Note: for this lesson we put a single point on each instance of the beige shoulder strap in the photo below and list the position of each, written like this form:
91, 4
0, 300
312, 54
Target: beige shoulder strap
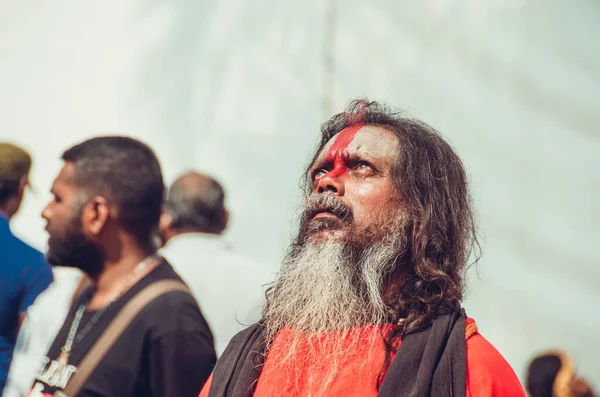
116, 328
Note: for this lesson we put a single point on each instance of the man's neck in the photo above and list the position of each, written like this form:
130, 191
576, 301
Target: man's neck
181, 232
115, 275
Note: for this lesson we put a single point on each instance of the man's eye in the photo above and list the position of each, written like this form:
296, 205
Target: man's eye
364, 166
57, 199
320, 173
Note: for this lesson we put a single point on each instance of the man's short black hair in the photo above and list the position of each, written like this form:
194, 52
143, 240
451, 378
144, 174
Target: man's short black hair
196, 202
126, 172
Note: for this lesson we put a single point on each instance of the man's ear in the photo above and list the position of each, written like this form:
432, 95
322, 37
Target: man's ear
225, 221
164, 224
95, 215
23, 183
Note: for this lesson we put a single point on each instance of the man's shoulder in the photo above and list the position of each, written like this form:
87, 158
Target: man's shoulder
173, 311
25, 271
171, 300
241, 340
481, 351
243, 269
197, 249
243, 336
17, 250
240, 347
206, 270
488, 372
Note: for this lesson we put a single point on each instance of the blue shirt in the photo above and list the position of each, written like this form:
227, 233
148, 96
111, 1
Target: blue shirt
24, 274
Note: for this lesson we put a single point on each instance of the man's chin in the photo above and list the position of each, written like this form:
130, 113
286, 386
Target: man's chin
322, 230
328, 234
89, 263
55, 260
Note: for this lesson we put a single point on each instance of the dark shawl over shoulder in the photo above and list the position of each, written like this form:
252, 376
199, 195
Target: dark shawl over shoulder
430, 362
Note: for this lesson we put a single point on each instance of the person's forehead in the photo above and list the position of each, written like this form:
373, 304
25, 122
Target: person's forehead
64, 179
368, 141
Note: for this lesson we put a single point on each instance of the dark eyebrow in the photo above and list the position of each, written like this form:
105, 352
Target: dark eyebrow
319, 162
361, 157
347, 156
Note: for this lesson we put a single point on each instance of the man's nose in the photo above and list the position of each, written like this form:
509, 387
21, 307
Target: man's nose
46, 212
331, 182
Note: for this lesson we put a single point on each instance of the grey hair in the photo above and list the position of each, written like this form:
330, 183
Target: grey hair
199, 205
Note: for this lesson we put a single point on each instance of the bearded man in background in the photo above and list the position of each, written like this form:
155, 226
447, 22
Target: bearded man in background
105, 208
368, 299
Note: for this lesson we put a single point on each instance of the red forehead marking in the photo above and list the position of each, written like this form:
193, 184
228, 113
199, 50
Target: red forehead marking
339, 150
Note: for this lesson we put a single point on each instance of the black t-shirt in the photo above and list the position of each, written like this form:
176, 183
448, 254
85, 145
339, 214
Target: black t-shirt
166, 351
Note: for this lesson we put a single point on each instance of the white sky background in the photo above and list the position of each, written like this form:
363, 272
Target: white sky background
235, 88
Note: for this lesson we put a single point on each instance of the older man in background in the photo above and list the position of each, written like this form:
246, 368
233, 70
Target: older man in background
227, 285
24, 273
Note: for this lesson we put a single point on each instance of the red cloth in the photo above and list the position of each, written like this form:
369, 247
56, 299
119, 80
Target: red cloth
488, 373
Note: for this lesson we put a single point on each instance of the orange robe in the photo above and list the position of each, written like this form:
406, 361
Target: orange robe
488, 373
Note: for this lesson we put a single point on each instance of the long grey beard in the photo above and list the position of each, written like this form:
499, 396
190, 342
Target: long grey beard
323, 288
